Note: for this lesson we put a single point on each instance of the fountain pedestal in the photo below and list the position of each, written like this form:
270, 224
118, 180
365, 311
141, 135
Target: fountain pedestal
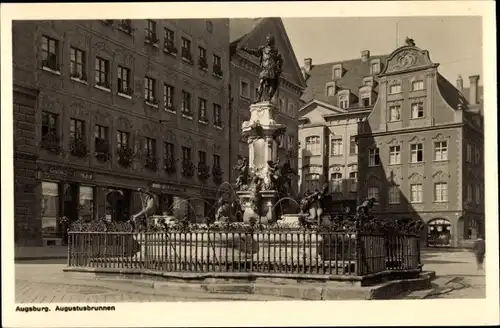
262, 133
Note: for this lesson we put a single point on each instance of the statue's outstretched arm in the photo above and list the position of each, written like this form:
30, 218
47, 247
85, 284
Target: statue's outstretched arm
254, 52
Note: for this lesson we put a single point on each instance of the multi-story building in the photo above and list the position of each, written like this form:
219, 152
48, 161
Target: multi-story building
421, 149
252, 33
338, 95
105, 107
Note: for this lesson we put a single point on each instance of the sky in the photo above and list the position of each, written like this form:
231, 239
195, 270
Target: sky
455, 42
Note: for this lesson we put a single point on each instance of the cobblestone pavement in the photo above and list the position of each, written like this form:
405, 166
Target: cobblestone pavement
457, 275
45, 282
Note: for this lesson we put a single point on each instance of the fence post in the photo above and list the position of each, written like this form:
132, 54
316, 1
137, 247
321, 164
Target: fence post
70, 237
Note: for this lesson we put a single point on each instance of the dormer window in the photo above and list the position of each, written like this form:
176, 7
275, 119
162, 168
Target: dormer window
368, 81
365, 95
344, 102
337, 71
375, 66
330, 89
344, 97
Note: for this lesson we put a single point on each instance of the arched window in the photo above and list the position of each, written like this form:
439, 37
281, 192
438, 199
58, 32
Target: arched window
336, 182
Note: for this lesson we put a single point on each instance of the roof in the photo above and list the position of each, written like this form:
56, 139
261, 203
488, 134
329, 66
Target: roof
450, 94
240, 27
354, 72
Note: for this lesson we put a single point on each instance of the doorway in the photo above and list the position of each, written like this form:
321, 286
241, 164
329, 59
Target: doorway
439, 233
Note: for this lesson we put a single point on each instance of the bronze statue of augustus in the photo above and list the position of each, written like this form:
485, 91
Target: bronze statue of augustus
271, 64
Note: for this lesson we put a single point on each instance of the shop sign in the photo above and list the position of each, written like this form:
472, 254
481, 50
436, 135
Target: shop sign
166, 187
70, 173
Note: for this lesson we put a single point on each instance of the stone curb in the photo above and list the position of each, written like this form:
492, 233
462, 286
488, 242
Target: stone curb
317, 290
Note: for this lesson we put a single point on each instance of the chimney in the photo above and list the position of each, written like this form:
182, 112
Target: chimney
307, 64
473, 96
460, 83
365, 55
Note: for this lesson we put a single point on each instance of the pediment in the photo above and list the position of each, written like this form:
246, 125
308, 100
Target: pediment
407, 58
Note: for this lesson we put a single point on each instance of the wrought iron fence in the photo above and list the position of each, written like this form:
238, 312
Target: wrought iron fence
325, 253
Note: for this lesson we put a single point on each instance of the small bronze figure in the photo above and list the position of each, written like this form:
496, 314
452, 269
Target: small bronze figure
271, 64
242, 167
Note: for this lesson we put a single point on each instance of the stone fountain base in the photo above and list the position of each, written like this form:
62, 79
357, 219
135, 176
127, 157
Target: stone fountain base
265, 212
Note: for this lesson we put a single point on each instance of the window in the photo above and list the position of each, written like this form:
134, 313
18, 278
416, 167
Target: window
469, 193
417, 110
312, 181
344, 102
151, 31
186, 154
395, 155
124, 80
336, 182
373, 192
168, 152
126, 25
417, 85
365, 101
202, 157
50, 209
149, 89
337, 73
336, 147
244, 89
394, 113
478, 195
313, 145
150, 147
102, 72
186, 49
186, 103
86, 202
368, 81
291, 142
100, 135
77, 64
441, 192
394, 194
168, 97
76, 129
202, 52
217, 116
122, 139
291, 109
282, 104
353, 146
217, 66
441, 151
395, 88
216, 161
50, 48
353, 181
373, 157
169, 45
477, 157
417, 153
416, 193
202, 109
330, 91
469, 153
49, 124
375, 68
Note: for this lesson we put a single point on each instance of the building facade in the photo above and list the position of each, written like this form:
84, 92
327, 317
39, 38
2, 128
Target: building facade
421, 150
245, 69
104, 107
338, 96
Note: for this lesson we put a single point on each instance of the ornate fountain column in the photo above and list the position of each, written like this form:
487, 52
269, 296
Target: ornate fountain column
262, 133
